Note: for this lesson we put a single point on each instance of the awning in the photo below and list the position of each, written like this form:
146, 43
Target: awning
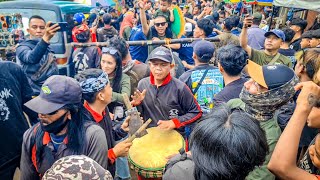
310, 4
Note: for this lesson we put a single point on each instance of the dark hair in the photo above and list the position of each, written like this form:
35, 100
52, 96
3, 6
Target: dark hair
289, 34
316, 34
222, 13
84, 75
206, 25
75, 132
169, 1
120, 44
36, 17
106, 18
83, 36
227, 144
299, 22
232, 59
229, 23
116, 85
307, 34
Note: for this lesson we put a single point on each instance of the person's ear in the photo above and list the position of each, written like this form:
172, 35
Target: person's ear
220, 68
194, 56
100, 96
172, 66
201, 32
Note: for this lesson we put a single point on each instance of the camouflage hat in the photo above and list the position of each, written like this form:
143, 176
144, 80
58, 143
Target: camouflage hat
76, 167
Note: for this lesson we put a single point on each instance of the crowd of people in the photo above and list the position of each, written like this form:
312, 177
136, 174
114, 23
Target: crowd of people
246, 105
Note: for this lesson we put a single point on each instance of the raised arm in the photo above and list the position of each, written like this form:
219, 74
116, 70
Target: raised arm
143, 18
283, 160
244, 35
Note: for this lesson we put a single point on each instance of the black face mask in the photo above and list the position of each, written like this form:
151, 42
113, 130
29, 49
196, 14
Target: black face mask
55, 127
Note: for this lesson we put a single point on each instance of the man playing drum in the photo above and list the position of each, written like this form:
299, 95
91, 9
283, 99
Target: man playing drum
165, 99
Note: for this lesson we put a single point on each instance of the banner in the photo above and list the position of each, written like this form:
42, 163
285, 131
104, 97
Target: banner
265, 2
310, 4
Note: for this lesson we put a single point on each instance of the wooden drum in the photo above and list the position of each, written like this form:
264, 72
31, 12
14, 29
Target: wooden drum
148, 154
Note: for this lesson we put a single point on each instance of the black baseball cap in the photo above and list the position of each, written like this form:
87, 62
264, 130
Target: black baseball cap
270, 76
160, 53
56, 92
307, 34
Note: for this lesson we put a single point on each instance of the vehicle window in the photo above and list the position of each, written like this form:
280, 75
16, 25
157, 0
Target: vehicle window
19, 19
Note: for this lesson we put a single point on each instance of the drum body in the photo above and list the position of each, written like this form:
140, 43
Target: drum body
148, 154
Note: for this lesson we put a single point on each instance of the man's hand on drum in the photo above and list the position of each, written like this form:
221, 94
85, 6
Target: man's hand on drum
122, 148
166, 124
138, 97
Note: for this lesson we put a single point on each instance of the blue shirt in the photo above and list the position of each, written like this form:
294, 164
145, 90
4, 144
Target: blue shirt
139, 53
235, 32
185, 52
256, 37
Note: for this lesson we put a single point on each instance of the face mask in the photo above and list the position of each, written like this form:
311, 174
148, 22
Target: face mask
56, 126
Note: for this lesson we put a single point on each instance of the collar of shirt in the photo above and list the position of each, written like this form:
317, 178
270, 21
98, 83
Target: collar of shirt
96, 116
46, 139
165, 82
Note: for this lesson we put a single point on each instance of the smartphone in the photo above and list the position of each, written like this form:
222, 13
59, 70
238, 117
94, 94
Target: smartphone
63, 26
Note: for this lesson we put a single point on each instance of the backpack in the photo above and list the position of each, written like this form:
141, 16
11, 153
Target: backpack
205, 84
80, 60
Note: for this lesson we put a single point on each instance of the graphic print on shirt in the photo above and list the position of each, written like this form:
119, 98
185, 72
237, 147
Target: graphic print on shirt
173, 113
210, 86
80, 62
4, 110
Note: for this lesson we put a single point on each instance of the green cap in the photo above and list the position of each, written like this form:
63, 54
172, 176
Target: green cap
257, 15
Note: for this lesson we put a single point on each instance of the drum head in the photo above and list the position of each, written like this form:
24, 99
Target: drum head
150, 151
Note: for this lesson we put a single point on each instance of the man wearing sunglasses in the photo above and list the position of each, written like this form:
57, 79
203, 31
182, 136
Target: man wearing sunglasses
61, 131
159, 31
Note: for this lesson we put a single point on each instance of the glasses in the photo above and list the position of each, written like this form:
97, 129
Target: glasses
111, 51
158, 24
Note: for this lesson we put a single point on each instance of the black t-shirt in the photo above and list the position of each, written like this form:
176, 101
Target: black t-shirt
290, 54
295, 45
14, 92
230, 91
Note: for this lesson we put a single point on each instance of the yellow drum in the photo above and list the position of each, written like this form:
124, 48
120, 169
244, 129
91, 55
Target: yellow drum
148, 154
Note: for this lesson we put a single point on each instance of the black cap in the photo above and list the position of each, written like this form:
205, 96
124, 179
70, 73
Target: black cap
204, 50
307, 34
160, 53
56, 92
270, 76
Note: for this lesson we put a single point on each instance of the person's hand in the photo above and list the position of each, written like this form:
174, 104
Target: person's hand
185, 64
138, 97
166, 125
247, 22
155, 39
50, 31
142, 4
122, 148
111, 116
125, 124
309, 95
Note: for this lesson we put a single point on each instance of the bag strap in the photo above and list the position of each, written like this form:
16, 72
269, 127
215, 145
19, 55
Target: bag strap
200, 82
45, 66
34, 147
274, 59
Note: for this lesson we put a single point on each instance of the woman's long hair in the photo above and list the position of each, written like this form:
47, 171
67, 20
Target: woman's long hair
116, 84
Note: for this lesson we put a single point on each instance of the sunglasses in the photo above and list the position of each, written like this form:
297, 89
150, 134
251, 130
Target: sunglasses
162, 24
111, 51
